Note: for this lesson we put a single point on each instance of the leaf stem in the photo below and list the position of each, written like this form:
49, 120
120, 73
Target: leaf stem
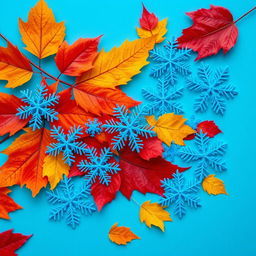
241, 17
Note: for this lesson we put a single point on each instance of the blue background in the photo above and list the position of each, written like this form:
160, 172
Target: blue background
225, 225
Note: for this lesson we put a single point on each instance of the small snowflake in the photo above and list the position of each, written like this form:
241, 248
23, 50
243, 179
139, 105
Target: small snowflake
170, 61
163, 101
207, 153
67, 143
69, 203
93, 127
39, 104
129, 128
213, 88
179, 194
99, 166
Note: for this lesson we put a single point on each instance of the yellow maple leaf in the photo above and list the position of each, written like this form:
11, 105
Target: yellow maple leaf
154, 214
121, 235
41, 34
160, 30
54, 168
170, 128
213, 185
119, 65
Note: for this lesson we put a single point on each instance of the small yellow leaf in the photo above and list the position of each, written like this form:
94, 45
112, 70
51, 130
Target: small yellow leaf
160, 30
213, 185
41, 34
170, 128
121, 235
154, 214
54, 168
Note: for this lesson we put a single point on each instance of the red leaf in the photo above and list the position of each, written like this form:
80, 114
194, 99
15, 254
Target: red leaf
9, 122
77, 58
152, 147
208, 127
10, 242
142, 175
148, 21
7, 204
213, 29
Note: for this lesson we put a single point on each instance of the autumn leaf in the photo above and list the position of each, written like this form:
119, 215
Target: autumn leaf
159, 31
208, 127
7, 204
152, 147
119, 65
148, 21
9, 122
54, 168
14, 66
213, 185
121, 235
213, 29
97, 100
41, 34
170, 128
77, 58
143, 175
154, 214
10, 242
25, 161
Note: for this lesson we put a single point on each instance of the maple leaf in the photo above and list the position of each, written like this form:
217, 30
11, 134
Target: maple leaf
14, 66
143, 175
9, 121
7, 204
148, 21
213, 29
213, 185
41, 34
152, 147
77, 58
25, 161
170, 128
10, 242
121, 235
209, 128
119, 65
54, 168
153, 214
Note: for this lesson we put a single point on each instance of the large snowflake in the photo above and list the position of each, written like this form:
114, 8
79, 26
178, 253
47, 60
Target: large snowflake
163, 100
207, 152
99, 166
179, 194
170, 61
130, 126
39, 107
67, 143
69, 203
213, 88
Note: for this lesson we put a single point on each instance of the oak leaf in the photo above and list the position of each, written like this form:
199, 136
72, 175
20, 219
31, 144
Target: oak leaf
213, 185
121, 235
170, 128
14, 66
154, 214
41, 34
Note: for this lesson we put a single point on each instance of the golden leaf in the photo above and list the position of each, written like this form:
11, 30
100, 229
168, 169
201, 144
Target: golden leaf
213, 185
170, 128
154, 214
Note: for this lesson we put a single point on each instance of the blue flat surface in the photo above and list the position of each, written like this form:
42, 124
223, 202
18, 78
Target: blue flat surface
225, 225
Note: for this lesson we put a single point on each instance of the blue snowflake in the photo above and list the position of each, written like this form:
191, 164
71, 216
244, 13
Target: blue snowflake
213, 88
171, 152
67, 143
207, 153
169, 61
93, 127
69, 203
179, 194
98, 166
129, 128
39, 104
163, 101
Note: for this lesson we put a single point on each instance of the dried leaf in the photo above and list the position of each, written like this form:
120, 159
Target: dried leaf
213, 185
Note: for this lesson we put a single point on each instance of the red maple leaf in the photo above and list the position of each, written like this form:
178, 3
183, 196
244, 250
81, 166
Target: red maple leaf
213, 29
208, 127
148, 21
10, 242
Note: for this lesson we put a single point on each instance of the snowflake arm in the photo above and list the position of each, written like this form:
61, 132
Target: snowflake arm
93, 127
